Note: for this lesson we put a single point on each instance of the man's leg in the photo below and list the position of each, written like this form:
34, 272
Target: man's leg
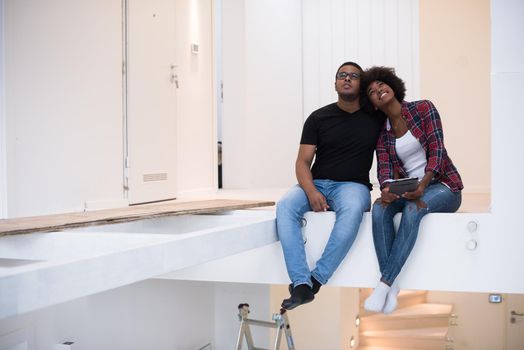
290, 211
349, 200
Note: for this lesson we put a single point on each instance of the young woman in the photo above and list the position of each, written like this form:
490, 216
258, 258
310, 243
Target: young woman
411, 144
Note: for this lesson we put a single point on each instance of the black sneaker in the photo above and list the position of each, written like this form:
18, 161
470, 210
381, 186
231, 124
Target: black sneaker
315, 289
302, 294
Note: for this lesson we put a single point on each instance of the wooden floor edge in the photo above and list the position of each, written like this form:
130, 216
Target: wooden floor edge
60, 222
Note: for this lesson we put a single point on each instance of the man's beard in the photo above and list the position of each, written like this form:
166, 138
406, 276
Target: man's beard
348, 97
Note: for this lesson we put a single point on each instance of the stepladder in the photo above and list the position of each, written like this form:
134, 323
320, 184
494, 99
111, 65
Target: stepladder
279, 322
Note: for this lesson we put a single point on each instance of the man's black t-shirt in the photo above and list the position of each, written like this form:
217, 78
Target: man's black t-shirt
345, 143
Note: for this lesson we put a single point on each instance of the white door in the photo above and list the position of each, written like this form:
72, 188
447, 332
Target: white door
151, 100
514, 321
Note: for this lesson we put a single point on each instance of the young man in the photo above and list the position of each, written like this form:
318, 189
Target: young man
341, 137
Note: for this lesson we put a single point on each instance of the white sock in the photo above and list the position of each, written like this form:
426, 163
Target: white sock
375, 302
391, 299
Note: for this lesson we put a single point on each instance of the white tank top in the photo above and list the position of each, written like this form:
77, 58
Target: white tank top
411, 154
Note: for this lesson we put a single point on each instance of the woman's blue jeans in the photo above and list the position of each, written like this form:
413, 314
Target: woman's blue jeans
349, 200
393, 248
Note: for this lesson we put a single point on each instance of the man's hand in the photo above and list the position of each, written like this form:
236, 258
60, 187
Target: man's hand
317, 201
388, 197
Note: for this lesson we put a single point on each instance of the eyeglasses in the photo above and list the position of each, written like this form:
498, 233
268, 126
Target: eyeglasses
344, 75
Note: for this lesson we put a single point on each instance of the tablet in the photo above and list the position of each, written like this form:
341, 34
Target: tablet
403, 185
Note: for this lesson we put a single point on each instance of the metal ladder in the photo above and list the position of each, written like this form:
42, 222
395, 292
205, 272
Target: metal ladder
280, 322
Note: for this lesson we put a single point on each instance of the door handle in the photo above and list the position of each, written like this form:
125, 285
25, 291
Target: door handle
515, 313
174, 77
174, 80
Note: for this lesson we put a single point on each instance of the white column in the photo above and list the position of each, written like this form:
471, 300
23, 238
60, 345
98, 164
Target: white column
3, 136
507, 128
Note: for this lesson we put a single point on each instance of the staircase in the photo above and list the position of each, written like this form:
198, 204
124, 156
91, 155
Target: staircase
415, 325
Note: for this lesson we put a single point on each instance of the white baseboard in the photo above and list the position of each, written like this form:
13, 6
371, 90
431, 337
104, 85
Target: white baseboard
105, 204
199, 192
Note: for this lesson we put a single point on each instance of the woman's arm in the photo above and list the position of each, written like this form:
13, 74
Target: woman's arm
384, 170
434, 137
384, 164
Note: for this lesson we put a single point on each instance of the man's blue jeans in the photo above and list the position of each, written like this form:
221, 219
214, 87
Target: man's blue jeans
393, 248
349, 200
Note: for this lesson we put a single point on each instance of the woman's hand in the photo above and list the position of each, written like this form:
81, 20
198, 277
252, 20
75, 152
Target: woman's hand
387, 197
317, 201
426, 180
415, 194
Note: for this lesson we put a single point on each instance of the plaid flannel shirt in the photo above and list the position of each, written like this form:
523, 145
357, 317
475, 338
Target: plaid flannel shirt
423, 121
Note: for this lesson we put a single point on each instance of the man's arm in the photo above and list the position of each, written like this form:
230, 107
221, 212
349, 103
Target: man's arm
306, 153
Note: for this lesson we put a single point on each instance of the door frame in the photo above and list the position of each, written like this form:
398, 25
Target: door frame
3, 124
218, 88
125, 147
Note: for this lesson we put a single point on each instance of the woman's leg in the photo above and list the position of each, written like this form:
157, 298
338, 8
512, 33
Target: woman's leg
383, 237
436, 198
383, 229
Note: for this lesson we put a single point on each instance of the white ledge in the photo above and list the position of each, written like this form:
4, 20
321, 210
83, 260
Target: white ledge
60, 266
453, 252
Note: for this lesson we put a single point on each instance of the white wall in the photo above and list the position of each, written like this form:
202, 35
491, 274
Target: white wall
153, 314
234, 121
63, 104
370, 33
377, 32
196, 136
460, 50
480, 325
64, 116
276, 75
262, 110
3, 134
227, 297
326, 323
507, 77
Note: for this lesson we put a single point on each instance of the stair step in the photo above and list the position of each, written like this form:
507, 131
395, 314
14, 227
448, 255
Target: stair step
421, 338
404, 293
413, 317
405, 298
383, 348
415, 311
426, 309
418, 333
